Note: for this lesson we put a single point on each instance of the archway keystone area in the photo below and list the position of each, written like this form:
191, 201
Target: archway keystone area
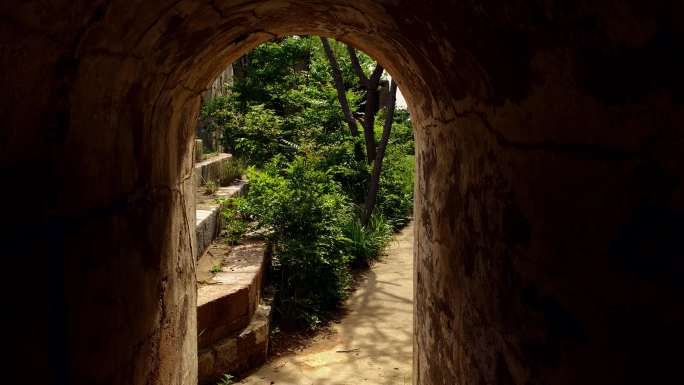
549, 200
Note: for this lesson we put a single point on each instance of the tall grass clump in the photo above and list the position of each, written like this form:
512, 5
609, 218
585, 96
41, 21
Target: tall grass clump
367, 242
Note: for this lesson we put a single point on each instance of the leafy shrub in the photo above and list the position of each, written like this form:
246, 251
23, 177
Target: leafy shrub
339, 160
395, 196
402, 134
234, 226
306, 211
254, 136
214, 114
273, 70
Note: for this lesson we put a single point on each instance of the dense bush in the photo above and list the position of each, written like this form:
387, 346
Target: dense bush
395, 198
339, 160
255, 136
306, 211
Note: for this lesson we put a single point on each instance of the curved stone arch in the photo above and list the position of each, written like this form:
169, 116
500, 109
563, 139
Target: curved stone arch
146, 87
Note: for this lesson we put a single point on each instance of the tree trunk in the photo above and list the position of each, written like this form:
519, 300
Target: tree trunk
370, 85
374, 184
372, 106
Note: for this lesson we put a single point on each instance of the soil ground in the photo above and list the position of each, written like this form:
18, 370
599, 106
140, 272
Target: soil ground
370, 344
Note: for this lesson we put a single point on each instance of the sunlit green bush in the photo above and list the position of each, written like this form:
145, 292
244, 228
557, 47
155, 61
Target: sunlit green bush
305, 210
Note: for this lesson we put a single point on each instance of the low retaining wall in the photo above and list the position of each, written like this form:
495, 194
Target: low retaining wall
211, 169
239, 353
233, 320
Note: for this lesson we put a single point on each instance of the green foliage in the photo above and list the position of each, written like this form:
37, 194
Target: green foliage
226, 379
254, 136
215, 113
306, 210
216, 269
367, 242
234, 227
272, 71
285, 100
339, 161
395, 196
401, 139
210, 187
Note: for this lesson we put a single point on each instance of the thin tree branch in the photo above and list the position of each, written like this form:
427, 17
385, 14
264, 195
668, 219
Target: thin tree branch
339, 86
375, 76
357, 66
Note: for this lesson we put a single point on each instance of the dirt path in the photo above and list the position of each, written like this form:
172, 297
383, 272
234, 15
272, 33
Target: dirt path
372, 344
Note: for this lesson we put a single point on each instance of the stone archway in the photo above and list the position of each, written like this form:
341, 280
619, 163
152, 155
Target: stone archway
518, 108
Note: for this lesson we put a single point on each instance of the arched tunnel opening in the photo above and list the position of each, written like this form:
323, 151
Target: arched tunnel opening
305, 255
549, 198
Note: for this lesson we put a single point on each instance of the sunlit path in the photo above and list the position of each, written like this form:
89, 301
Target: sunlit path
373, 342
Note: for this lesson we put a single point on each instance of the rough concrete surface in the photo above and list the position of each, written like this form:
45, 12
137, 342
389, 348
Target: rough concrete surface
227, 300
372, 343
211, 169
233, 318
237, 353
208, 212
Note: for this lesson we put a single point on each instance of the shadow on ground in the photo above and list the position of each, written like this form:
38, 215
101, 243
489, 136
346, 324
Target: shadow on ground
371, 344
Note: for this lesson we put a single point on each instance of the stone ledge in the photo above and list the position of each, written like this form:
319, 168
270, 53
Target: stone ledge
207, 227
227, 300
208, 220
210, 169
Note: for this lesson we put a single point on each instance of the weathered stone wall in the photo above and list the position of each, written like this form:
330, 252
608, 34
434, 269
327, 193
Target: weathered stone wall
549, 182
220, 85
551, 207
211, 169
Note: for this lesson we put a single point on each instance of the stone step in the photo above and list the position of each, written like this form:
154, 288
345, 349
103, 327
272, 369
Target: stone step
207, 214
238, 353
226, 300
